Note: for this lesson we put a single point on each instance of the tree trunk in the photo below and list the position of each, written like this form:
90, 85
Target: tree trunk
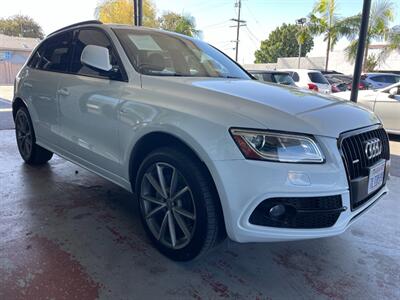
364, 68
328, 48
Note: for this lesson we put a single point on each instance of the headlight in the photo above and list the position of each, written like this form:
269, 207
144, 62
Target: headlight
280, 147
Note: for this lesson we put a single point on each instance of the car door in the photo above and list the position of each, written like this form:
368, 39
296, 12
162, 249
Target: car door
88, 104
41, 83
388, 109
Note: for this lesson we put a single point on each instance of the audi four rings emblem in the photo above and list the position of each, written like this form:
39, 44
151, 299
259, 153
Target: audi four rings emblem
373, 148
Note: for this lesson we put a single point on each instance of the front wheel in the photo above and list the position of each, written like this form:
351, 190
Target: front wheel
178, 204
30, 152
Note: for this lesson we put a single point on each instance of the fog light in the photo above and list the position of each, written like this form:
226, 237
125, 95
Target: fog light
277, 211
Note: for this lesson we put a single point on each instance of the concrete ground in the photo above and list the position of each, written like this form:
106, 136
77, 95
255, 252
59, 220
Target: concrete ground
6, 92
66, 233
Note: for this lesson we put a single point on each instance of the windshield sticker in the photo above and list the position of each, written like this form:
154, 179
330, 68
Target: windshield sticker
144, 42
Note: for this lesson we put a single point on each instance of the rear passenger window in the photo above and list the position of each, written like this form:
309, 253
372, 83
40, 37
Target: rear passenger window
390, 79
267, 77
55, 54
92, 37
379, 78
295, 76
35, 58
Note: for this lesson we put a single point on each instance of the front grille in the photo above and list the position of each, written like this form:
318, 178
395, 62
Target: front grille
355, 158
305, 213
352, 146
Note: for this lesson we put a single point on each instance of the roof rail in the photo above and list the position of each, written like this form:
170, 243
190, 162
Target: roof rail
77, 24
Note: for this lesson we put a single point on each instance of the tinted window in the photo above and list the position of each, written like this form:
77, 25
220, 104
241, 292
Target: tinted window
267, 77
295, 76
317, 77
92, 37
380, 78
35, 58
160, 54
391, 79
283, 79
55, 53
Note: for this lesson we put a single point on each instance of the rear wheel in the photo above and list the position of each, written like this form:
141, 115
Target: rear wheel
30, 152
178, 204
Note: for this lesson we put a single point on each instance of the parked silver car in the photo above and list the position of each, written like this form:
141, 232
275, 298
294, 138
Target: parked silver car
380, 80
384, 102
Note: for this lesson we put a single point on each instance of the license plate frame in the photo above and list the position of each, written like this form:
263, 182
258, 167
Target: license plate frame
376, 177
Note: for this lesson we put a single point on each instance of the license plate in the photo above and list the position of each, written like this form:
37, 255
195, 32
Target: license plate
376, 175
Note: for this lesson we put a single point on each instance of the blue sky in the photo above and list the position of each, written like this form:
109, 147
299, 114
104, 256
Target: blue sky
212, 17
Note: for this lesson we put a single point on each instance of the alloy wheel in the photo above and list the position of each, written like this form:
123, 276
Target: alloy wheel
24, 134
167, 205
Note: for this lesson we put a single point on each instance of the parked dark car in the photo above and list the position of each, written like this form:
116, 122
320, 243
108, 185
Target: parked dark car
337, 84
278, 77
346, 82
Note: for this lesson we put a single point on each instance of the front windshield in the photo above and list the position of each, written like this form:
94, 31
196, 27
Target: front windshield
160, 54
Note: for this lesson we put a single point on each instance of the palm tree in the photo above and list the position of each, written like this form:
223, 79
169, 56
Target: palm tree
378, 28
184, 24
324, 20
393, 40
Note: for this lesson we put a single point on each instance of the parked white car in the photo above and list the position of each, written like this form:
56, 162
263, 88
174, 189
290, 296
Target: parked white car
384, 102
207, 150
310, 79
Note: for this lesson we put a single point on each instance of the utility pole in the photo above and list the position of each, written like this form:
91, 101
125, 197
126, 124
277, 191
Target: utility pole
240, 23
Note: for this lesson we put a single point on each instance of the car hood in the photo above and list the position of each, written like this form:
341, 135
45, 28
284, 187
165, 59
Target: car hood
274, 107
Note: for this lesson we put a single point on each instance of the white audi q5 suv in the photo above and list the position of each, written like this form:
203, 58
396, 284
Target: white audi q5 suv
207, 150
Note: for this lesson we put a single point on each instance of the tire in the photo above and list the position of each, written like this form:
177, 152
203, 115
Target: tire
30, 152
192, 200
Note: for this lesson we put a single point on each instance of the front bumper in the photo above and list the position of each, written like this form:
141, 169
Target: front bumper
244, 184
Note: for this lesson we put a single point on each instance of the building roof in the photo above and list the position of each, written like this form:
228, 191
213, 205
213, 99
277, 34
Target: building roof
17, 43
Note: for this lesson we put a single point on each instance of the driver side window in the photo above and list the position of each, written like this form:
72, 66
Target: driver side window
92, 37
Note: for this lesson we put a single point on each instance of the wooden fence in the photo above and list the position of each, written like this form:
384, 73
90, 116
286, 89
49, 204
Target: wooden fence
8, 71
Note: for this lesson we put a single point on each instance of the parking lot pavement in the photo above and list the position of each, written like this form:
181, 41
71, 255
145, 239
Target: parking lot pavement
6, 120
66, 233
6, 92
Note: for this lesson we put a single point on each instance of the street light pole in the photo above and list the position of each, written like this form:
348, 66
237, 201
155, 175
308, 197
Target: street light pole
360, 50
300, 22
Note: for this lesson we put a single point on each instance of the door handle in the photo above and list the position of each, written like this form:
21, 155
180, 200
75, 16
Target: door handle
63, 92
28, 85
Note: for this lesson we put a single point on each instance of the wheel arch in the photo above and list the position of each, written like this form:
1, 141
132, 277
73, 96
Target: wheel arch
16, 104
157, 139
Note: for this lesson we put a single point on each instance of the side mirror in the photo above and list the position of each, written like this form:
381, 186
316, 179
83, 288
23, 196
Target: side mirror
97, 57
393, 92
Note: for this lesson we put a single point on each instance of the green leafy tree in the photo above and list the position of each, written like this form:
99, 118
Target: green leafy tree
284, 42
21, 25
184, 24
324, 20
382, 14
